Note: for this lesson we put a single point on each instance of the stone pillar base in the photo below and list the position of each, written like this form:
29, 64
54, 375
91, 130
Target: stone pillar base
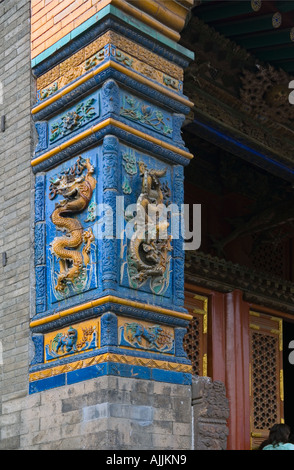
210, 413
109, 413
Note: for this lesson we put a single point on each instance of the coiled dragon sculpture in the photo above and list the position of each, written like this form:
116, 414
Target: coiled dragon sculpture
77, 188
150, 243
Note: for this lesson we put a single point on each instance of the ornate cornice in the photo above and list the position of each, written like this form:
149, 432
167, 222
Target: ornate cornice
170, 14
230, 118
107, 299
224, 276
239, 95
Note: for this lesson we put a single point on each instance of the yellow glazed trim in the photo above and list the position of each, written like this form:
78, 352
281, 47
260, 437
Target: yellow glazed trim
101, 125
165, 13
145, 18
110, 357
203, 311
282, 385
120, 68
256, 434
204, 365
112, 299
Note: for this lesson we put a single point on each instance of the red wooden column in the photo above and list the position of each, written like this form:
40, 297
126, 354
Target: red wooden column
217, 331
230, 361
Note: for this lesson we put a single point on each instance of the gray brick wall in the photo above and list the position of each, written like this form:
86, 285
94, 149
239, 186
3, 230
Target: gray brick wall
15, 212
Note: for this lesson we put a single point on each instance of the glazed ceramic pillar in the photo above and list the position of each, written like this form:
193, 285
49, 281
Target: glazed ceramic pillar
108, 112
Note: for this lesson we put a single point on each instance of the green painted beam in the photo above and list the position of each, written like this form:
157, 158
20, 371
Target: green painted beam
285, 6
287, 66
250, 25
276, 53
273, 38
227, 10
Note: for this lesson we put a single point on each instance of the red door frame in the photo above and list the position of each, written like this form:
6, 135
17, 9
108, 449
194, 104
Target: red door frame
228, 358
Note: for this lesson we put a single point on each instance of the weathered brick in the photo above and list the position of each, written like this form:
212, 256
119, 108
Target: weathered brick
15, 194
66, 16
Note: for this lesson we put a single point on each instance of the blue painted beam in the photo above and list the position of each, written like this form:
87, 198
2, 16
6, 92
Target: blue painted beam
269, 162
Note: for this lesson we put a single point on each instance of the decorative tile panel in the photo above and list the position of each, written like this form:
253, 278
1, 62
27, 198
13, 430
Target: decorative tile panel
71, 248
109, 155
74, 119
71, 340
118, 48
146, 114
146, 336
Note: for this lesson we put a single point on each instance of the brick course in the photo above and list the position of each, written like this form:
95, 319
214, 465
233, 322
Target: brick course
66, 16
15, 213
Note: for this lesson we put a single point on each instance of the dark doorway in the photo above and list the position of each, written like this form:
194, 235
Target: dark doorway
288, 366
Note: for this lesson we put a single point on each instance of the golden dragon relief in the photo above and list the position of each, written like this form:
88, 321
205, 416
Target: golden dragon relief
76, 187
149, 247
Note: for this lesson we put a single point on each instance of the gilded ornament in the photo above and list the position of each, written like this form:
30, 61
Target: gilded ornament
256, 5
121, 49
277, 20
110, 357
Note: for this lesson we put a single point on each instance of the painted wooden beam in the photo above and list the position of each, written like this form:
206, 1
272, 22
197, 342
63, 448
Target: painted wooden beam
276, 53
219, 12
287, 65
285, 6
252, 25
272, 38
